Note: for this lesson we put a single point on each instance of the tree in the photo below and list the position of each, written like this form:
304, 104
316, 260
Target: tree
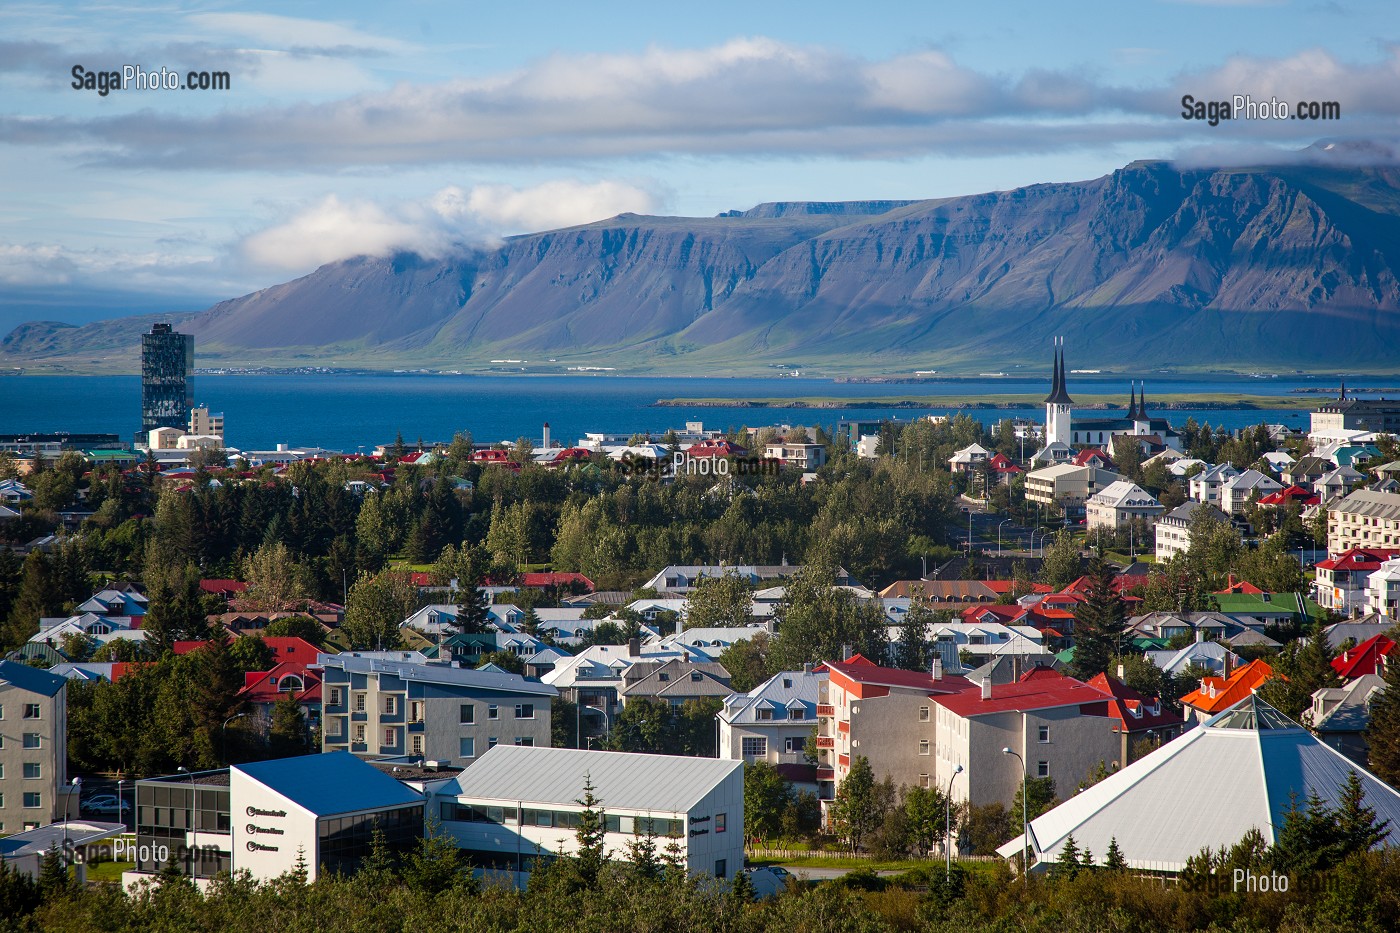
925, 817
1062, 563
816, 621
1114, 861
1040, 797
1100, 623
287, 735
591, 855
723, 601
303, 627
1067, 864
506, 660
1383, 733
855, 813
912, 649
377, 605
1300, 670
276, 583
767, 795
251, 653
746, 661
176, 609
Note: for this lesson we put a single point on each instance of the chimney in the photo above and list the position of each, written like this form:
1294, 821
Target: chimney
845, 652
986, 688
807, 667
1122, 675
1200, 635
545, 436
936, 669
634, 647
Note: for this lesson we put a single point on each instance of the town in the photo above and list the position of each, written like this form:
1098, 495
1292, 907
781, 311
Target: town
1035, 651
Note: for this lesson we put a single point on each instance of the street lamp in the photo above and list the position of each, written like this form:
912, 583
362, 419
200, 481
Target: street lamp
223, 735
1025, 823
77, 789
607, 722
121, 816
948, 824
1003, 522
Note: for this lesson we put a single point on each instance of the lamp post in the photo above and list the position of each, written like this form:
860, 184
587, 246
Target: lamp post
1025, 823
77, 783
1003, 522
189, 826
607, 722
121, 817
948, 824
223, 735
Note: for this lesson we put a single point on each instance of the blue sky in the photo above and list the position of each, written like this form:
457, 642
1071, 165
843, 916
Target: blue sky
358, 127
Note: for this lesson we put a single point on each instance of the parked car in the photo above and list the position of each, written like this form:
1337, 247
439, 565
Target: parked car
106, 803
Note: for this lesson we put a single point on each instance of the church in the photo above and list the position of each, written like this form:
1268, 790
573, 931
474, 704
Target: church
1064, 432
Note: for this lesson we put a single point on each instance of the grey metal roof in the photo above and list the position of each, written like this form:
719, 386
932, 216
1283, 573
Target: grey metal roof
555, 776
805, 689
1370, 503
436, 674
41, 840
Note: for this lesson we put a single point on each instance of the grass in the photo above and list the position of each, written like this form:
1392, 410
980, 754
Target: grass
865, 863
108, 871
1107, 403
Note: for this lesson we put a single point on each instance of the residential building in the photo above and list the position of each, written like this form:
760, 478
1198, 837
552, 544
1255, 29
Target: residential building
1340, 584
1379, 416
1369, 657
1118, 504
883, 713
1340, 716
1307, 470
970, 459
293, 674
1356, 631
519, 807
1173, 530
1067, 485
1213, 656
204, 423
674, 681
1241, 772
679, 580
1207, 485
1062, 729
773, 721
1365, 519
1141, 719
380, 708
1239, 491
1337, 483
1383, 590
799, 454
1217, 694
167, 362
1260, 610
33, 747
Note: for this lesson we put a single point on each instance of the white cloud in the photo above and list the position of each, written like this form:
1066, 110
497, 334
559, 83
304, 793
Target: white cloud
290, 32
333, 229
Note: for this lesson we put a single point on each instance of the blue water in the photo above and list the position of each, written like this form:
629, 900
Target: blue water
347, 412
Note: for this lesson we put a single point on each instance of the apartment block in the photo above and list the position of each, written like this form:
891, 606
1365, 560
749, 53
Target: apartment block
33, 747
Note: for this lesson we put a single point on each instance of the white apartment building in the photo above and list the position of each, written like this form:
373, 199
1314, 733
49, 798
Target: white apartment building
1173, 530
773, 720
1117, 504
1383, 590
1206, 485
1237, 491
1066, 484
806, 457
1366, 518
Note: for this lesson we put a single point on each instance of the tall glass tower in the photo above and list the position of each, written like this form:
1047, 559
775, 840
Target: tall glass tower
167, 393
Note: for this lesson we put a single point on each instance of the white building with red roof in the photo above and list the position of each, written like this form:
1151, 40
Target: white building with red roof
1341, 581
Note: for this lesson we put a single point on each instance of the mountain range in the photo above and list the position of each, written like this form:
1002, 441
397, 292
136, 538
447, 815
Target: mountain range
1154, 266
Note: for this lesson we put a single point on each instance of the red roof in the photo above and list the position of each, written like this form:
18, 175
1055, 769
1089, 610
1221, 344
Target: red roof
420, 578
1132, 708
1220, 693
719, 448
268, 686
1359, 558
857, 672
222, 587
494, 455
1042, 689
284, 648
559, 578
1239, 587
1369, 657
1291, 494
1006, 615
1089, 453
571, 454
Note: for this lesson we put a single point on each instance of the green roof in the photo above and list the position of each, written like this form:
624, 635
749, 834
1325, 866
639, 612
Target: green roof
1066, 656
1252, 604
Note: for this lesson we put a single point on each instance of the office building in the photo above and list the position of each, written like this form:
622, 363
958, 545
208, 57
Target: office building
167, 362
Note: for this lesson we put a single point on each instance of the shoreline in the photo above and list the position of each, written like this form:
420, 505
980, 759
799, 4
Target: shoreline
1166, 402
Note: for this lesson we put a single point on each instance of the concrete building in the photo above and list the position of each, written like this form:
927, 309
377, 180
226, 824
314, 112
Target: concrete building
33, 747
1062, 729
1340, 585
1118, 504
1067, 485
167, 362
1206, 485
1357, 414
773, 721
204, 423
1173, 530
1383, 590
1364, 519
378, 708
798, 454
1239, 491
517, 807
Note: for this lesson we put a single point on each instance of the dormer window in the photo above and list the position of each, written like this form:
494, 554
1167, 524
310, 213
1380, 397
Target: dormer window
663, 676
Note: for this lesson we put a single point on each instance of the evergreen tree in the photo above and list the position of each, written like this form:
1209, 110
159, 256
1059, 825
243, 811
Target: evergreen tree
287, 734
1062, 563
1115, 860
641, 853
34, 600
1067, 864
54, 880
855, 813
1383, 733
1100, 623
591, 856
912, 648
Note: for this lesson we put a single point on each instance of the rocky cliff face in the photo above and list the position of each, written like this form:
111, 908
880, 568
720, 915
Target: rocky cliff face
1149, 266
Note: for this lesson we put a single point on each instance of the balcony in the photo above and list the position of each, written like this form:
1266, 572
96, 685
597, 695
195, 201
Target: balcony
824, 709
826, 741
843, 760
826, 773
843, 726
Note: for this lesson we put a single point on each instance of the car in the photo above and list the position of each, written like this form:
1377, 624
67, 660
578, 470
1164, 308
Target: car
106, 803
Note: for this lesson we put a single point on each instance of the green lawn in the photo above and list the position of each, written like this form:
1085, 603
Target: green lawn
108, 871
866, 863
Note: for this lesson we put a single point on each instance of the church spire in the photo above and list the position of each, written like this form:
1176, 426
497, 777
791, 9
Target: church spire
1142, 401
1132, 400
1059, 395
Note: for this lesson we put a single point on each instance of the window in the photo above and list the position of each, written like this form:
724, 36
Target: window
1042, 769
721, 821
466, 748
33, 740
721, 869
417, 748
491, 742
359, 702
793, 744
391, 705
33, 770
524, 711
754, 747
31, 711
663, 677
763, 715
923, 780
923, 714
1045, 733
492, 712
525, 741
415, 711
360, 734
787, 683
335, 696
468, 714
696, 677
389, 736
923, 746
797, 713
33, 799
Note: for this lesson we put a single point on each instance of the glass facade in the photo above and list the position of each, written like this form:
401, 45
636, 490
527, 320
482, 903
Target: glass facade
167, 812
345, 840
167, 391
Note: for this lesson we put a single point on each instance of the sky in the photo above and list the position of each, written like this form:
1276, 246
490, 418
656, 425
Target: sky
354, 128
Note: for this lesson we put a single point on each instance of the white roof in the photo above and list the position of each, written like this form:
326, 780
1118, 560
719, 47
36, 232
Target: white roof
555, 776
805, 692
1124, 494
1241, 770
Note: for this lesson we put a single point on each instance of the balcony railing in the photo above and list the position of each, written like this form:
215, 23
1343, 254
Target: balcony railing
825, 741
825, 710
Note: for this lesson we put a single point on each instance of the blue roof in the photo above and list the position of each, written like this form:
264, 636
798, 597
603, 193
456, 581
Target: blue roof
331, 783
31, 678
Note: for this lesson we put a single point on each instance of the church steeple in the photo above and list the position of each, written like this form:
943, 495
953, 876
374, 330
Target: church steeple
1142, 402
1059, 395
1132, 400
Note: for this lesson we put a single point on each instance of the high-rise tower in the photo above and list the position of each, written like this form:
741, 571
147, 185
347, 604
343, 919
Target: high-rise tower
167, 392
1058, 405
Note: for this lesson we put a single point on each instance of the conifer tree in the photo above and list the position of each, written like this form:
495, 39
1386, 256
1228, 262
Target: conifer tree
1115, 861
592, 825
1099, 623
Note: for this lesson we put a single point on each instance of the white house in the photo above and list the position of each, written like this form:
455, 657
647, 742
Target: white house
773, 720
1117, 504
1206, 485
1173, 530
1383, 590
517, 807
1237, 491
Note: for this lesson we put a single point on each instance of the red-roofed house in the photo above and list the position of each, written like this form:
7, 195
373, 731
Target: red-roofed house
1217, 694
1369, 657
719, 448
1137, 715
224, 588
1241, 587
882, 713
1297, 494
1341, 581
1061, 727
1005, 470
1093, 457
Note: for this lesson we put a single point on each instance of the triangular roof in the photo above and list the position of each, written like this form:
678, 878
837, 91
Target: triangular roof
1241, 770
1369, 657
1220, 693
1059, 395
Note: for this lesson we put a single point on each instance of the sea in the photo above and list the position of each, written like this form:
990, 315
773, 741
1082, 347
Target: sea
356, 412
